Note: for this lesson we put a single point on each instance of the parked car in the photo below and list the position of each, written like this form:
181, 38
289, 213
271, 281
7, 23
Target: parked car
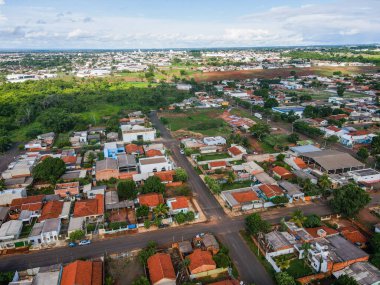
72, 244
161, 226
182, 151
84, 242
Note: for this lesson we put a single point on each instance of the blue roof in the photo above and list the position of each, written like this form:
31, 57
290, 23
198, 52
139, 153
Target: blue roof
305, 148
288, 109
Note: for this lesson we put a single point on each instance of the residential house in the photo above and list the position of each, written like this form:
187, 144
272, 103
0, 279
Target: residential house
45, 232
67, 189
210, 243
237, 151
165, 176
293, 191
51, 210
276, 241
214, 165
75, 224
281, 172
48, 138
83, 273
92, 191
112, 149
269, 191
134, 149
242, 199
201, 261
178, 205
22, 166
112, 137
4, 211
10, 230
153, 152
354, 235
161, 270
78, 138
106, 169
8, 195
127, 165
357, 137
218, 140
321, 232
364, 273
151, 200
154, 164
137, 133
91, 209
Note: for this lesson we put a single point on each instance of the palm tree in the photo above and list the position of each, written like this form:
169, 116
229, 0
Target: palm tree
161, 210
305, 247
298, 217
283, 262
325, 184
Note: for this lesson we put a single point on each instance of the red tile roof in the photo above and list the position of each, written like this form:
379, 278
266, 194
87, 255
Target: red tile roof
51, 210
281, 171
18, 202
333, 128
353, 235
153, 152
151, 199
133, 148
200, 258
271, 190
359, 133
313, 231
235, 151
165, 176
69, 159
160, 267
83, 273
32, 206
225, 282
217, 163
300, 163
90, 207
180, 203
245, 196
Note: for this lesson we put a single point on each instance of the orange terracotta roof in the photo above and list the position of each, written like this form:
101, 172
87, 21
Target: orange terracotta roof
235, 150
165, 176
180, 203
151, 199
133, 148
199, 258
51, 210
333, 128
217, 163
32, 206
16, 203
338, 117
160, 267
271, 190
69, 159
83, 273
300, 163
281, 171
359, 133
245, 196
313, 231
90, 207
153, 152
353, 235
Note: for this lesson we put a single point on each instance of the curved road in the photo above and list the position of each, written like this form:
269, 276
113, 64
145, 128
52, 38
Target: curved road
225, 228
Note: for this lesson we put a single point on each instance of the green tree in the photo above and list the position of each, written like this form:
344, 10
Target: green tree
312, 221
147, 252
260, 130
293, 138
126, 190
142, 211
5, 143
345, 280
283, 278
161, 210
58, 120
222, 260
270, 103
255, 225
340, 90
77, 235
325, 184
349, 200
50, 169
363, 153
375, 243
153, 184
181, 175
375, 145
298, 218
280, 200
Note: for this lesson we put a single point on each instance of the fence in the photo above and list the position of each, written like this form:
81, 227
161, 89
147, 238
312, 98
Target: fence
208, 273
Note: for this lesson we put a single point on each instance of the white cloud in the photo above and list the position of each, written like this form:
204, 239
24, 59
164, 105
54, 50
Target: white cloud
77, 34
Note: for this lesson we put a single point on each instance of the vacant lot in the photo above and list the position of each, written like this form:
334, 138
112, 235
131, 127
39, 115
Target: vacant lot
204, 122
318, 94
281, 72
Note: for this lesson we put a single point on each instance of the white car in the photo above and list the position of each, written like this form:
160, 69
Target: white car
85, 242
182, 151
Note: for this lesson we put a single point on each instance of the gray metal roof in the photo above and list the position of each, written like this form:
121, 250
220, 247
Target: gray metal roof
305, 148
344, 249
290, 188
333, 159
107, 163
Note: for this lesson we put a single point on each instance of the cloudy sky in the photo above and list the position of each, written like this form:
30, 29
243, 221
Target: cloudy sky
186, 23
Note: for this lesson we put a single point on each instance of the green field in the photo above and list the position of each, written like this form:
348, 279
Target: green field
324, 95
205, 122
214, 156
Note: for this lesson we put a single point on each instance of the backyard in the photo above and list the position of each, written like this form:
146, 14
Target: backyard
294, 266
236, 185
213, 156
204, 122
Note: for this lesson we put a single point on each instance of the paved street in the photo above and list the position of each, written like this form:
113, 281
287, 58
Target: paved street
225, 228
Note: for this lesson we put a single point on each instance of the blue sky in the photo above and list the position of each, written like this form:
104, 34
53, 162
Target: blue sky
185, 23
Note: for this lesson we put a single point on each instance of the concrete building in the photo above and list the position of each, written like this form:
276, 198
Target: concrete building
112, 149
137, 133
45, 232
10, 230
242, 199
154, 164
363, 272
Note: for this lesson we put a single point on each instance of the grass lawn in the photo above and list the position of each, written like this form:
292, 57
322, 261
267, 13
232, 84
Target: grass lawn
213, 156
205, 122
236, 185
266, 147
26, 229
298, 268
318, 94
62, 137
276, 140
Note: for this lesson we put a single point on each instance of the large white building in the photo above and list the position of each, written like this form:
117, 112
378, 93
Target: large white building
154, 164
137, 132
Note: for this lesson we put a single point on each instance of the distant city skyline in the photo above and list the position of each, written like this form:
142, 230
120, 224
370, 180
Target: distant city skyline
118, 24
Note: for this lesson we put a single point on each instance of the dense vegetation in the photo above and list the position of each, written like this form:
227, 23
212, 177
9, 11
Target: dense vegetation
33, 107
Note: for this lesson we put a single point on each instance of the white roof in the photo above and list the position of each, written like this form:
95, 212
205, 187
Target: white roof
76, 224
10, 228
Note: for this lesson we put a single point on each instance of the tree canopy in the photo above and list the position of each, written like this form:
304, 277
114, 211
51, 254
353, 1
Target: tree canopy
126, 190
255, 225
50, 169
349, 200
153, 184
260, 130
